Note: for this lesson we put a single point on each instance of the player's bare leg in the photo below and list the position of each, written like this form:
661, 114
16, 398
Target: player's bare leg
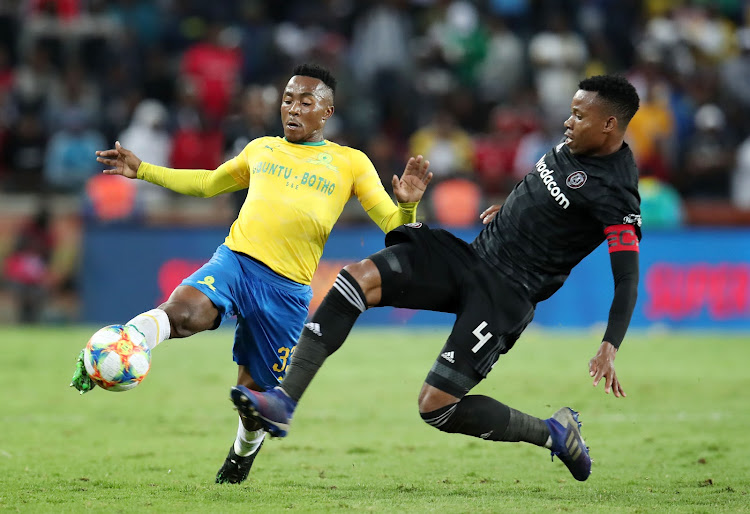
190, 311
186, 312
250, 436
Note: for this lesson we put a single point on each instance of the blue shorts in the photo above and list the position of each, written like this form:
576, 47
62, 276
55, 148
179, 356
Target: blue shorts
271, 311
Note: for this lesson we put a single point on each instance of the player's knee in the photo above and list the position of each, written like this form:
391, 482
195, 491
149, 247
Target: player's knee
443, 419
431, 399
179, 317
186, 319
190, 311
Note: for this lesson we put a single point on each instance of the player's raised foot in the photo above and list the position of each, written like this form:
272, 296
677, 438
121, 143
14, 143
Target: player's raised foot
273, 409
567, 443
235, 468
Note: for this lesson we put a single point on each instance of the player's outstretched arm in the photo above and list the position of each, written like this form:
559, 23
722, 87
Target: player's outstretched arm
603, 366
623, 244
81, 380
411, 186
120, 161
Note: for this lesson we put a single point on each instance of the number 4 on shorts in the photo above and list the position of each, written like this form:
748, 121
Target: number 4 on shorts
483, 338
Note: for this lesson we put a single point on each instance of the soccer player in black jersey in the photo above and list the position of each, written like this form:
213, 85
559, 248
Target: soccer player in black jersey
582, 192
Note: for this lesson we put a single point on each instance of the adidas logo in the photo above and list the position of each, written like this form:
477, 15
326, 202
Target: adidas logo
574, 448
448, 356
315, 329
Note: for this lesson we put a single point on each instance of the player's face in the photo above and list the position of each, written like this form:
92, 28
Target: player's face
587, 127
306, 105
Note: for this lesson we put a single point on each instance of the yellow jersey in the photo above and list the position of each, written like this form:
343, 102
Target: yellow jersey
295, 194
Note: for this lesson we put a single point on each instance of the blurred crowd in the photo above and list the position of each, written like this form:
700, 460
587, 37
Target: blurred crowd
480, 87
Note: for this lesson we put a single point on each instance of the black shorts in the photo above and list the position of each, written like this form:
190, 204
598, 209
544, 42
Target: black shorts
431, 269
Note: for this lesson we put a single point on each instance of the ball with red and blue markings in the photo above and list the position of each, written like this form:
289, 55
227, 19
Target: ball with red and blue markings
117, 357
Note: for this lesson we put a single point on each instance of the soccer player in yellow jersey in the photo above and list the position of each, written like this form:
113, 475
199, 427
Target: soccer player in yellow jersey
296, 189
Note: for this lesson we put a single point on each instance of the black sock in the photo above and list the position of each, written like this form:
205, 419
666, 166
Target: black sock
326, 332
486, 418
523, 427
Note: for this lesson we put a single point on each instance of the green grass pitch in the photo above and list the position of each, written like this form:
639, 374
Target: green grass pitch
678, 443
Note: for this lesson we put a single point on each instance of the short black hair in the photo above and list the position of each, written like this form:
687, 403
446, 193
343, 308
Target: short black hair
317, 72
616, 91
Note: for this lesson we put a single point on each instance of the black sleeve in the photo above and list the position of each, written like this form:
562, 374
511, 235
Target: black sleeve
625, 274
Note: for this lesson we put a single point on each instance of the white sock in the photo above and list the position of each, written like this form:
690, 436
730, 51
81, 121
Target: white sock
154, 324
247, 442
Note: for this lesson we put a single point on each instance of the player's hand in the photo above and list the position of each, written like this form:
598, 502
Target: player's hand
489, 214
603, 366
120, 161
413, 182
81, 380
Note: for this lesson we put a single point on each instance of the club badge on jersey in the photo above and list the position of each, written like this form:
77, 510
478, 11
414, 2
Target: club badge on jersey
576, 179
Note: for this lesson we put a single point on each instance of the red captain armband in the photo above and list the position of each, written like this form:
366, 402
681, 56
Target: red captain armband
621, 238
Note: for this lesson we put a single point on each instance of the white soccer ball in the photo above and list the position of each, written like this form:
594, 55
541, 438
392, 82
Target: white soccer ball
117, 357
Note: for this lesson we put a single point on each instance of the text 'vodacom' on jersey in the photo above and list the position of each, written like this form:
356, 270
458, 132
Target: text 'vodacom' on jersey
554, 190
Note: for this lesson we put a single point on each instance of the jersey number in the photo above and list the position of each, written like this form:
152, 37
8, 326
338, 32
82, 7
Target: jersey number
483, 338
284, 354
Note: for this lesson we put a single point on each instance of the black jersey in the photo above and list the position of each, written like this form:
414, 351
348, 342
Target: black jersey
556, 216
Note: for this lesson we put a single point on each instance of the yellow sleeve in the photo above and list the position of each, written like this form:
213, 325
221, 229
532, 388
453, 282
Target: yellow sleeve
388, 216
372, 195
230, 176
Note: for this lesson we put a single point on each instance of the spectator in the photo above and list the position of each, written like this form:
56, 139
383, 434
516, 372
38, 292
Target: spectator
503, 68
462, 40
381, 57
158, 77
6, 70
651, 130
34, 78
534, 144
257, 43
147, 134
195, 146
741, 177
213, 65
73, 91
68, 163
558, 56
24, 153
709, 158
445, 144
495, 152
26, 269
144, 17
734, 78
257, 116
386, 155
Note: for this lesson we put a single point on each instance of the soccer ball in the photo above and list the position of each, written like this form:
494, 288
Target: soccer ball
117, 357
